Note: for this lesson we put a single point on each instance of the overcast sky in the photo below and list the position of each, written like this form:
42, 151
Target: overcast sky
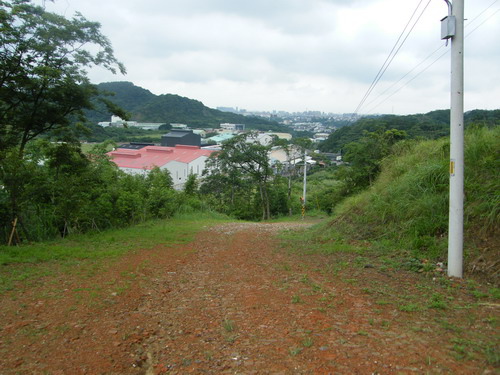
296, 55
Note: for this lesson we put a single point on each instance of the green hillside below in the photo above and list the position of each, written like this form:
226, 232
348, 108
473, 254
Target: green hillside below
405, 212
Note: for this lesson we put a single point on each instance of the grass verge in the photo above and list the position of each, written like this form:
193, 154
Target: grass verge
20, 263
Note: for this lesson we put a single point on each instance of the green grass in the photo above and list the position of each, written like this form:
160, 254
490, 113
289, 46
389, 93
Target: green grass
229, 325
410, 307
307, 342
405, 212
21, 262
295, 351
320, 238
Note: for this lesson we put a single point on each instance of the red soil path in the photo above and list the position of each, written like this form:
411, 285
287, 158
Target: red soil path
233, 302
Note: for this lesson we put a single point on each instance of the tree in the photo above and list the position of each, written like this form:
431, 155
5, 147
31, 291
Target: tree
287, 170
191, 185
242, 159
43, 78
293, 151
366, 155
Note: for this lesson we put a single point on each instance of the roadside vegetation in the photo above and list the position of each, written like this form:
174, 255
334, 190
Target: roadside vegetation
56, 191
93, 250
403, 214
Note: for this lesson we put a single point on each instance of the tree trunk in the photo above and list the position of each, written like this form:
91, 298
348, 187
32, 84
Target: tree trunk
263, 203
23, 143
268, 209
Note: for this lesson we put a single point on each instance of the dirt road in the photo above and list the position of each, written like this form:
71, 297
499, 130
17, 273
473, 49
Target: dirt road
235, 302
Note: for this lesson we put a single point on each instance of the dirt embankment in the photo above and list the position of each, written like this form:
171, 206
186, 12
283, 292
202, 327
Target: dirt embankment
235, 302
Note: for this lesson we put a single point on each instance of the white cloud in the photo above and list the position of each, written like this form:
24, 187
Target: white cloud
293, 54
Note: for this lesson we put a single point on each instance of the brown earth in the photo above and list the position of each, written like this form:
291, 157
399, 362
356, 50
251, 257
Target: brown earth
236, 302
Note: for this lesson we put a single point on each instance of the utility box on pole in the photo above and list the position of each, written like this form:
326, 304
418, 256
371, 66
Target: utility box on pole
448, 25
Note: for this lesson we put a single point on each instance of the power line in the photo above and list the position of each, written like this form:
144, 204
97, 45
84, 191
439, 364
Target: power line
482, 23
406, 84
406, 75
480, 14
404, 40
391, 56
428, 66
387, 58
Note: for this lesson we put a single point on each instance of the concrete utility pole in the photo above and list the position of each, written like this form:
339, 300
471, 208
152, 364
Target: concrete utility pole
456, 214
305, 178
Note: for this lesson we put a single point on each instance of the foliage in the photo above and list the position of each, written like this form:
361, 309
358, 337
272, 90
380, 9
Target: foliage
43, 82
365, 156
240, 180
145, 106
408, 204
329, 187
191, 185
96, 246
56, 190
431, 125
130, 134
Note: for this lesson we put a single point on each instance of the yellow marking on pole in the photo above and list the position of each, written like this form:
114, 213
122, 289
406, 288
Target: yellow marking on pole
452, 167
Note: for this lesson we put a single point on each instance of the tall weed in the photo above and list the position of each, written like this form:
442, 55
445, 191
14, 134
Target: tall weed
408, 204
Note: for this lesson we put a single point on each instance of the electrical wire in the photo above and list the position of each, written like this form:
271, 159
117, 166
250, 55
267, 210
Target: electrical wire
482, 23
406, 75
382, 70
403, 42
408, 82
428, 66
480, 14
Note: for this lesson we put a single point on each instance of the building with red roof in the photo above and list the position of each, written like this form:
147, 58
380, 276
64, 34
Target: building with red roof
180, 161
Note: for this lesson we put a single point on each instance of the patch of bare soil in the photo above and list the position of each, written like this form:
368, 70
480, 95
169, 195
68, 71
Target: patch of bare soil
235, 302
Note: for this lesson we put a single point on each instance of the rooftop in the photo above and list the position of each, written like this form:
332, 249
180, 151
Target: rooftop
150, 156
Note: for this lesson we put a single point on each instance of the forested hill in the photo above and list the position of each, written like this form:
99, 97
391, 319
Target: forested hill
430, 125
144, 106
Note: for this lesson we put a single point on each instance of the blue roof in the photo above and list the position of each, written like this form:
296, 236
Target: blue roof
221, 137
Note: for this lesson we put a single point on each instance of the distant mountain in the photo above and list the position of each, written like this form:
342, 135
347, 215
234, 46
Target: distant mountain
144, 106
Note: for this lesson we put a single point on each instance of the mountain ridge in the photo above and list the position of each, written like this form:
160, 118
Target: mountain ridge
144, 106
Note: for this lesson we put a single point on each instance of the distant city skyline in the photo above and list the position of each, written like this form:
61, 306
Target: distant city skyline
297, 55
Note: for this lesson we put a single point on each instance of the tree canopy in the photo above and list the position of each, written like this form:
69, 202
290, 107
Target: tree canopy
432, 125
240, 176
44, 59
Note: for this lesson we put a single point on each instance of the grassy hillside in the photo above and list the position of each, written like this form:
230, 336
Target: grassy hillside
407, 208
144, 106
